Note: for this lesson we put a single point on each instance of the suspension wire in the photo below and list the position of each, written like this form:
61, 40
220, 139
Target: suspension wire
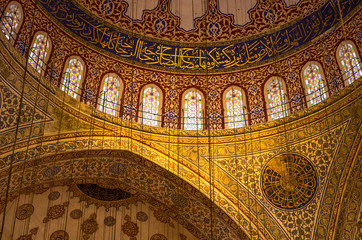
208, 125
12, 156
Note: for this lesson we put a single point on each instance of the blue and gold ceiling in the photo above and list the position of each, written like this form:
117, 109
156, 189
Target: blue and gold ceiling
209, 54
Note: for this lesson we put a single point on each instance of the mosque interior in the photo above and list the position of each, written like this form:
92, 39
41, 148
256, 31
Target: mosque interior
180, 119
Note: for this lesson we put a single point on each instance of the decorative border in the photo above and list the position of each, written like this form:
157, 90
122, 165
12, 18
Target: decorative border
196, 57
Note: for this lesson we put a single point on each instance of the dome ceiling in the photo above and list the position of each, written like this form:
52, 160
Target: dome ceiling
164, 34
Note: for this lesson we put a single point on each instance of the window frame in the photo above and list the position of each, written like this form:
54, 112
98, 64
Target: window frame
47, 53
302, 73
344, 77
244, 105
66, 65
202, 108
284, 88
140, 109
16, 30
121, 90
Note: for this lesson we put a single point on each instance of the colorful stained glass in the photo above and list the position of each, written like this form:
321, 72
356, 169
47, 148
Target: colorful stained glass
38, 52
11, 20
193, 111
72, 77
349, 60
235, 109
110, 95
276, 99
315, 84
150, 106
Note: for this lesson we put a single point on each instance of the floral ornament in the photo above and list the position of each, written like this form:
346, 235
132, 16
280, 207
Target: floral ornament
89, 226
55, 212
183, 237
158, 236
130, 228
269, 16
107, 7
33, 231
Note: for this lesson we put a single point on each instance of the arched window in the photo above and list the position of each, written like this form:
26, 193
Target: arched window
11, 20
110, 94
150, 106
192, 111
73, 77
314, 83
234, 108
38, 53
276, 99
349, 62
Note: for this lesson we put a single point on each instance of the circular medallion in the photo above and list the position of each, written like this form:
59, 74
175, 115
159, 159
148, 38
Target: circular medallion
24, 211
158, 236
59, 235
109, 221
76, 214
53, 196
289, 181
142, 216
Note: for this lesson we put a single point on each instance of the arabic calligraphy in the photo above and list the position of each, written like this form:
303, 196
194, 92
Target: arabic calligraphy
289, 181
196, 57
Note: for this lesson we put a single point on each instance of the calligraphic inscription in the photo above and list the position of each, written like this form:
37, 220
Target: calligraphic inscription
196, 57
289, 181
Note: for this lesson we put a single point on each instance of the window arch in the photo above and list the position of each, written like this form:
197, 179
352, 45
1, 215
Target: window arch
110, 94
193, 106
234, 104
39, 51
312, 74
150, 105
275, 95
73, 76
12, 19
349, 61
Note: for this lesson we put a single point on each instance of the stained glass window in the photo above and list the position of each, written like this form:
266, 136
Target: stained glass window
150, 106
11, 20
38, 52
234, 109
276, 99
72, 77
315, 84
349, 60
193, 111
110, 94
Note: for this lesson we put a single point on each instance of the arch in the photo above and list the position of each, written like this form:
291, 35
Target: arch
110, 93
314, 83
151, 98
12, 19
73, 75
348, 60
193, 107
39, 53
275, 93
234, 104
